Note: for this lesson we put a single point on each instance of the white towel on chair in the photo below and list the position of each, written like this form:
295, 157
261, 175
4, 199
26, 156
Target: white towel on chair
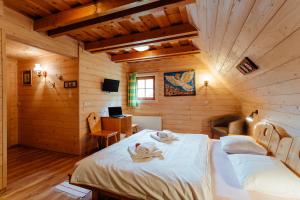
144, 152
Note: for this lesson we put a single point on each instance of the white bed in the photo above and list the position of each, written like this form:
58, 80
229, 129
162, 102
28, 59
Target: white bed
224, 181
184, 173
194, 167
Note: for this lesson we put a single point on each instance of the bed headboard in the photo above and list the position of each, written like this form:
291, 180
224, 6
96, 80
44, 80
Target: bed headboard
279, 144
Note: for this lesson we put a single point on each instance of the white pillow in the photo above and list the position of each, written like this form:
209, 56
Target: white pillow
266, 175
241, 144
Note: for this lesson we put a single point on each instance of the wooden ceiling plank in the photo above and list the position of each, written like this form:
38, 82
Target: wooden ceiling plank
101, 32
24, 8
84, 1
119, 28
129, 26
152, 54
40, 5
148, 37
59, 4
138, 23
183, 14
150, 21
114, 14
78, 14
161, 18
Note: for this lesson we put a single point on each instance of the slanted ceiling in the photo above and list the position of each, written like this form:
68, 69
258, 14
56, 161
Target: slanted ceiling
268, 32
116, 27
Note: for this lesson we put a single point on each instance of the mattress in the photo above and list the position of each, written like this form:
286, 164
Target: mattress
224, 181
184, 173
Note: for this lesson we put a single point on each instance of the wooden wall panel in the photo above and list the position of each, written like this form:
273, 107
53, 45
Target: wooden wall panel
12, 102
48, 117
3, 111
270, 36
188, 113
20, 28
92, 71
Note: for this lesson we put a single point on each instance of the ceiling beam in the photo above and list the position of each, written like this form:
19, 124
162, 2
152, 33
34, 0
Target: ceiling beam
85, 12
155, 54
182, 31
135, 9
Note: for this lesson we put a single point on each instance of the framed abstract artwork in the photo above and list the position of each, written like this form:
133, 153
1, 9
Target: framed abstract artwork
27, 77
179, 83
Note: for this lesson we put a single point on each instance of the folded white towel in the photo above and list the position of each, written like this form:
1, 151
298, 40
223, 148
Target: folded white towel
164, 134
141, 156
163, 139
145, 148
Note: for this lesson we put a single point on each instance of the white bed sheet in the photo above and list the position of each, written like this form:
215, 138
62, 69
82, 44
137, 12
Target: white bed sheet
185, 172
224, 181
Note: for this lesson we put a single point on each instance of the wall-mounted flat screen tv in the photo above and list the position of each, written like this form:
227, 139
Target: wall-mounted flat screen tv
110, 85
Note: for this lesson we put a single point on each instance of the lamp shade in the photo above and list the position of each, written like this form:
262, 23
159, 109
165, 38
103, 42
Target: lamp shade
37, 68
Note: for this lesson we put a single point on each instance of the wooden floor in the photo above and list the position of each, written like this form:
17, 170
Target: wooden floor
33, 173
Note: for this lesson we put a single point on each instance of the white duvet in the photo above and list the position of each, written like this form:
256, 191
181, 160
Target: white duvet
184, 173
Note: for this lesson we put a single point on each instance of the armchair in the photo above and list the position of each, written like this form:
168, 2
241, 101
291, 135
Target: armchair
227, 124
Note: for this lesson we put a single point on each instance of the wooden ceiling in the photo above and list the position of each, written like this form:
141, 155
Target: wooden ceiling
22, 51
112, 25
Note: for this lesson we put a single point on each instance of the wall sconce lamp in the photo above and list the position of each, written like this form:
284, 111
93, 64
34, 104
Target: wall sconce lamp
251, 116
206, 83
39, 71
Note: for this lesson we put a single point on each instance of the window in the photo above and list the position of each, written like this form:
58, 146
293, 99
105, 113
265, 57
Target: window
146, 88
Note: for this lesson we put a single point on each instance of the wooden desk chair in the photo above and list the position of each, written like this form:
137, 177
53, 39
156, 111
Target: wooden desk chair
134, 128
95, 128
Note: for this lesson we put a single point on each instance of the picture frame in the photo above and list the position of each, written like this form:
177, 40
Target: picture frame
181, 83
70, 84
27, 77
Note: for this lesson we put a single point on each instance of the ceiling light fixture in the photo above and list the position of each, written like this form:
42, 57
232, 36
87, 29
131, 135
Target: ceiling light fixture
142, 48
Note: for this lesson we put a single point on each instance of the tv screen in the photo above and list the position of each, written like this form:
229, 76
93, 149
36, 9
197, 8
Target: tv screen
110, 85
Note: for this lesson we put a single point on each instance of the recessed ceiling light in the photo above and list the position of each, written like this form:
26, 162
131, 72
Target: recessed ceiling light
142, 48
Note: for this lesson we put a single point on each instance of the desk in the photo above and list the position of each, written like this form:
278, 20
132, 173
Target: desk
120, 124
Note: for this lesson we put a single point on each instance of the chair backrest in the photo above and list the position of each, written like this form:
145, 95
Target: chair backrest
223, 120
94, 122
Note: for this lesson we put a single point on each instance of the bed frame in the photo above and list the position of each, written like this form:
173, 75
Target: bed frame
274, 138
279, 144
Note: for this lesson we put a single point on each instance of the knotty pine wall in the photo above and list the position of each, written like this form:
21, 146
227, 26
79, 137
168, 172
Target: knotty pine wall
48, 117
92, 71
188, 113
3, 111
12, 102
268, 32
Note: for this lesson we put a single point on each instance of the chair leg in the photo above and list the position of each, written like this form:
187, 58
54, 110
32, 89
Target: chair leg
116, 138
106, 140
99, 143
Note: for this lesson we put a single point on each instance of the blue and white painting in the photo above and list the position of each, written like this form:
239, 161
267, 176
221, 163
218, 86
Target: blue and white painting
180, 83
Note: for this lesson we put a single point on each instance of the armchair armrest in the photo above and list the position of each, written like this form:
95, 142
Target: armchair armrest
237, 127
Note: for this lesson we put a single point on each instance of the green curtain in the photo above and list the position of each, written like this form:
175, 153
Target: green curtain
132, 91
